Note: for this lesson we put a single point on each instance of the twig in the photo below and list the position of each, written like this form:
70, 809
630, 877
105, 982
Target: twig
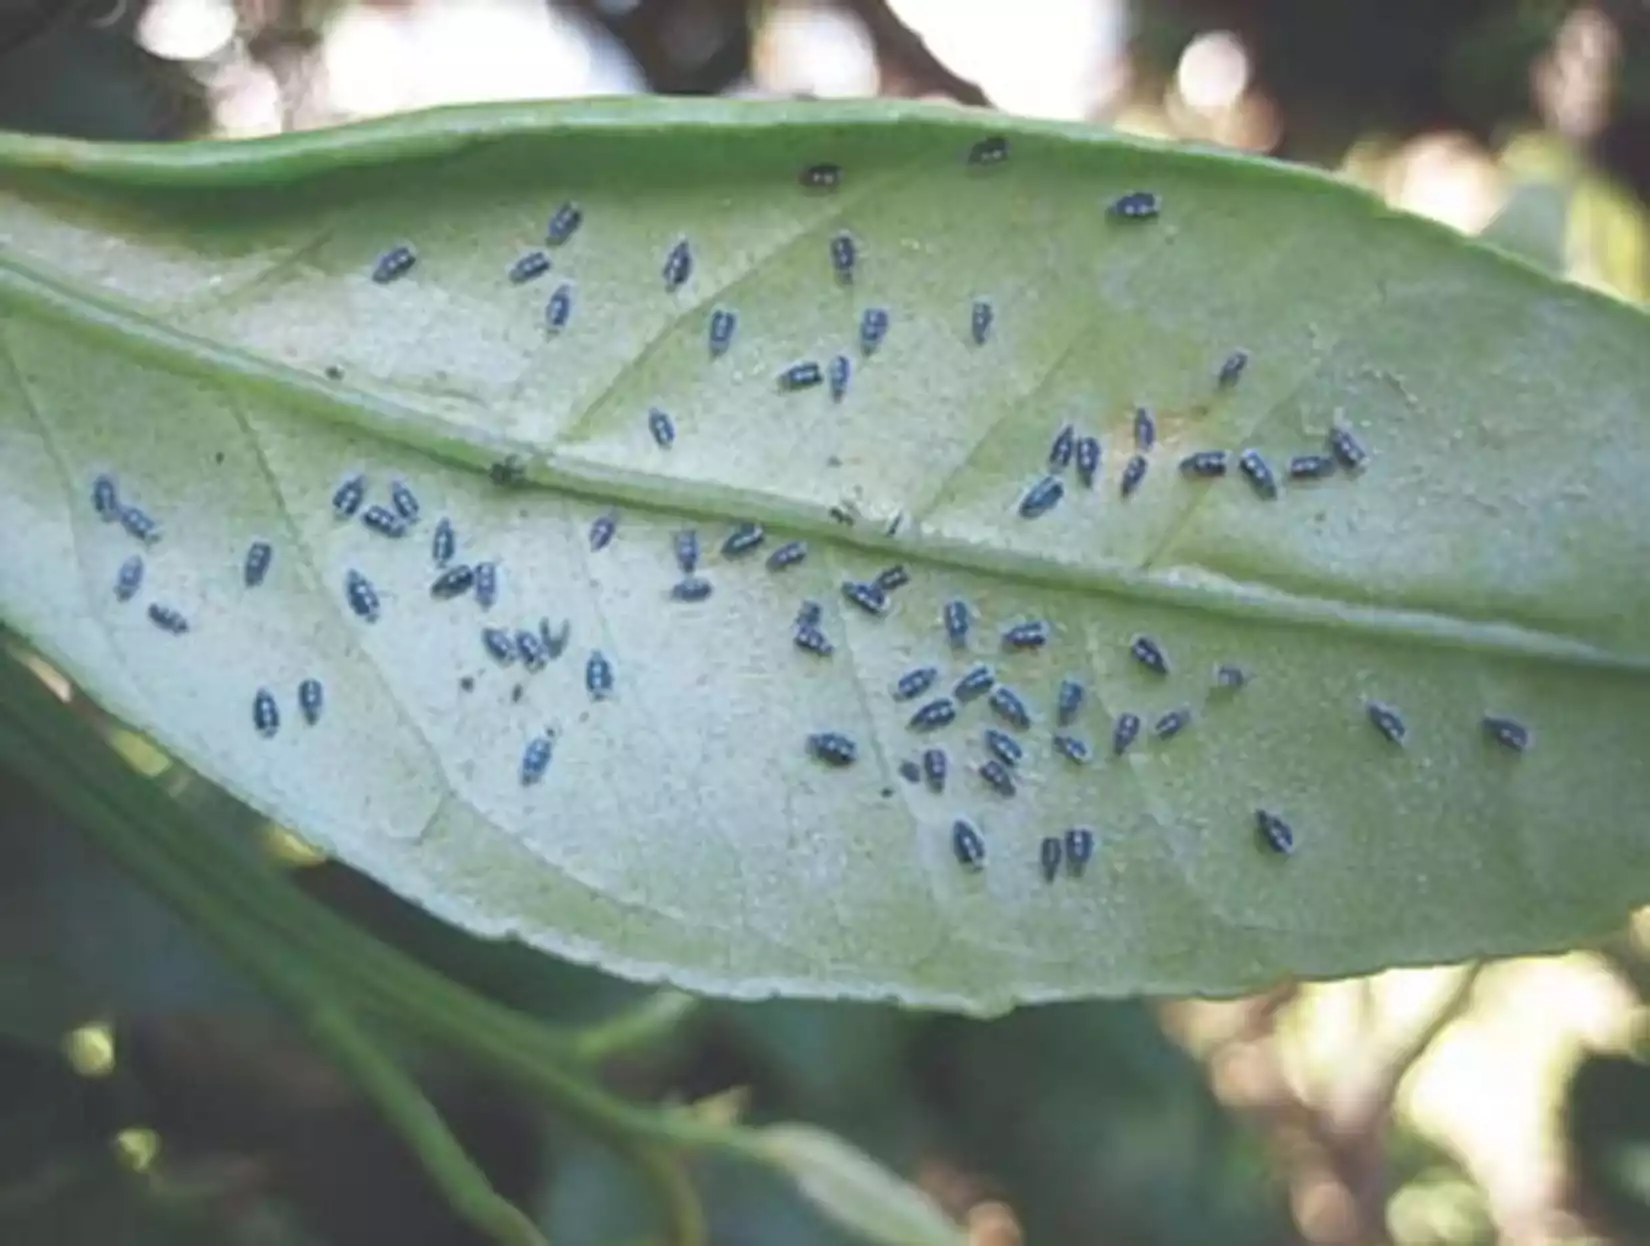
901, 53
640, 1026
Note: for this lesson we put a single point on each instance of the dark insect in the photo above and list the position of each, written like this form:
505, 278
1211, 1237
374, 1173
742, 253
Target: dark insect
1259, 474
266, 715
1042, 497
910, 771
517, 691
1387, 721
1172, 723
1145, 428
129, 578
744, 539
787, 555
259, 555
1507, 732
138, 523
1137, 205
975, 682
395, 263
602, 530
529, 267
1088, 460
1007, 705
1231, 369
723, 323
467, 683
500, 645
1004, 747
1068, 702
559, 310
534, 656
486, 584
1061, 448
842, 515
810, 639
991, 150
167, 619
333, 372
1134, 471
1311, 467
915, 682
934, 766
1204, 463
691, 588
957, 617
678, 266
1229, 676
1032, 634
1049, 855
662, 427
824, 176
1346, 448
892, 577
535, 758
564, 223
967, 844
1274, 832
687, 550
1149, 654
384, 521
804, 375
934, 715
404, 500
844, 253
841, 370
508, 472
833, 748
598, 676
809, 613
1073, 749
443, 542
873, 327
868, 597
1123, 733
361, 595
347, 497
1079, 850
453, 582
106, 498
998, 777
310, 700
555, 640
980, 320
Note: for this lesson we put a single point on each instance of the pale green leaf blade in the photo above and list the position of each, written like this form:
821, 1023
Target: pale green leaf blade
160, 308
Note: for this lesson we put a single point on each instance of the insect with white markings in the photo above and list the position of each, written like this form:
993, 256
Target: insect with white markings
404, 500
259, 555
723, 323
1230, 677
980, 320
1032, 634
559, 309
1068, 702
1124, 732
394, 264
1346, 448
347, 497
1206, 464
1042, 497
803, 375
841, 370
868, 597
678, 265
1004, 747
844, 254
1172, 723
822, 176
137, 522
787, 555
1274, 832
744, 539
957, 618
1009, 706
975, 682
691, 588
988, 151
662, 427
936, 714
106, 498
934, 766
1259, 474
598, 676
1073, 749
1149, 654
1509, 733
530, 267
1134, 472
453, 582
810, 639
535, 758
1387, 720
998, 777
602, 530
892, 577
686, 545
129, 578
564, 223
1311, 467
1062, 448
531, 648
1232, 368
1145, 428
384, 521
361, 595
1137, 205
311, 698
1087, 458
873, 328
266, 715
915, 682
500, 645
486, 588
1079, 842
967, 845
833, 748
167, 619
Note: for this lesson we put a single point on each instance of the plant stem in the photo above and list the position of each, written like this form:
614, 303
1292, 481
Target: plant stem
639, 1026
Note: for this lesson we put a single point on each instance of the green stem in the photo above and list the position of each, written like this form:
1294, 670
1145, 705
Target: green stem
640, 1026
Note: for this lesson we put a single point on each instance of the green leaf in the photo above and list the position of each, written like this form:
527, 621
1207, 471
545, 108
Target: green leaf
171, 315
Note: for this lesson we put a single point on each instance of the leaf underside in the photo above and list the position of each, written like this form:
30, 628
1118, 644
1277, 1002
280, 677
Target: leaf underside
201, 323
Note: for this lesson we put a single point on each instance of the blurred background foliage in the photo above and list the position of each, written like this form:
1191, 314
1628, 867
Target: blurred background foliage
148, 1095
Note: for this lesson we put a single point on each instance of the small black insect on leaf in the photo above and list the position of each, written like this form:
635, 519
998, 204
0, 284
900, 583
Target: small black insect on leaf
394, 264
